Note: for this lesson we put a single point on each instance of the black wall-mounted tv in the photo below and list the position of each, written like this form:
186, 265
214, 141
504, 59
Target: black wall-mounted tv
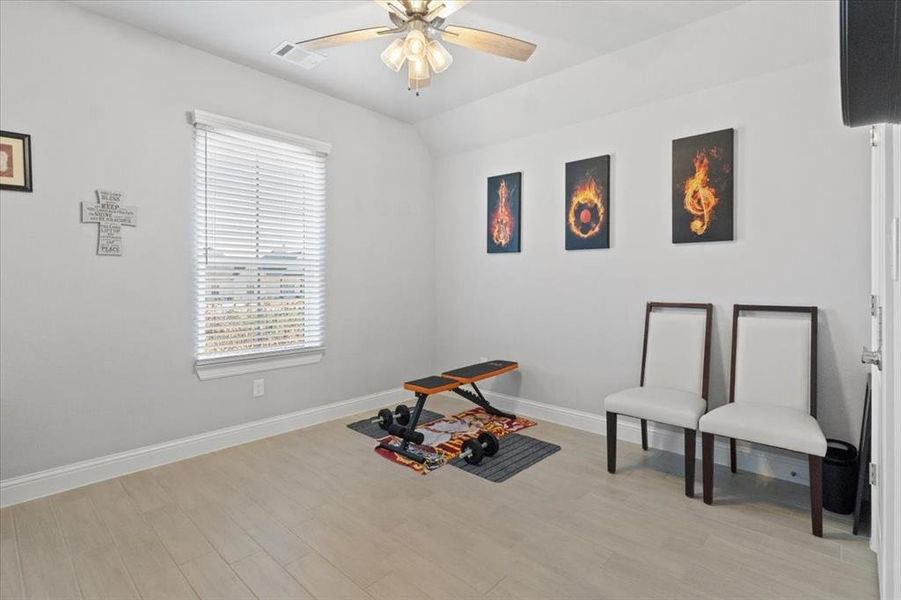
870, 33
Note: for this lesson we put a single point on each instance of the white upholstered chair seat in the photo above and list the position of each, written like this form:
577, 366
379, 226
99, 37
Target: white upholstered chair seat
663, 405
772, 425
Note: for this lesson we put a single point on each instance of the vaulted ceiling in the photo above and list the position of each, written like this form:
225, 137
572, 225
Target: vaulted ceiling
567, 33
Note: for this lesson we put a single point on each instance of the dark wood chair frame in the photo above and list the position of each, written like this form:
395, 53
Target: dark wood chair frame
815, 463
690, 435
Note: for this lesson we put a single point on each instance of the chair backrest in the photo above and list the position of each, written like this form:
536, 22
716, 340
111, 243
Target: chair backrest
774, 356
676, 352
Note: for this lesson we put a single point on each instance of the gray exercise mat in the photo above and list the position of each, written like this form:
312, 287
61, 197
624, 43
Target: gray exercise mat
375, 432
517, 453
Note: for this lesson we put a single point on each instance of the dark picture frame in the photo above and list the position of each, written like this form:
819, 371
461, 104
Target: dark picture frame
586, 218
504, 203
15, 155
703, 188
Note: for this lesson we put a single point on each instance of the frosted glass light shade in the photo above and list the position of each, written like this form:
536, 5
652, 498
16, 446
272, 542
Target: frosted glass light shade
418, 69
417, 74
415, 45
394, 56
438, 56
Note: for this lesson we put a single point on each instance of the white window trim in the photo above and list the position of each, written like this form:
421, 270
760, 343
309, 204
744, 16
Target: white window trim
240, 365
249, 364
201, 117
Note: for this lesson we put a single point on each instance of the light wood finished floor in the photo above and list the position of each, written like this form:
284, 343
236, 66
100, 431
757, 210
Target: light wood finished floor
317, 514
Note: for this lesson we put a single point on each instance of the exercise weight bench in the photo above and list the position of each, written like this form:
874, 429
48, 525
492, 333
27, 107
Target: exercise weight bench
450, 381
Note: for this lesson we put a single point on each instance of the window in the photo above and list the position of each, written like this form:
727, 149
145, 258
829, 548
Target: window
260, 261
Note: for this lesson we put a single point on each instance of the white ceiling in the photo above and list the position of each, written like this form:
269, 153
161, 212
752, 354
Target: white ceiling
567, 33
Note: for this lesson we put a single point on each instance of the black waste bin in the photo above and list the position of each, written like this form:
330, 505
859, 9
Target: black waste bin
839, 477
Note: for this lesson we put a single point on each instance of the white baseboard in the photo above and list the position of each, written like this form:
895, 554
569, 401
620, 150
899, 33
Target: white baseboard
44, 483
52, 481
754, 459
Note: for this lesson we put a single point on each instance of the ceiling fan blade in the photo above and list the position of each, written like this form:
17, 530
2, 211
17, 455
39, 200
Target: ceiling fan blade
394, 7
445, 8
347, 37
487, 41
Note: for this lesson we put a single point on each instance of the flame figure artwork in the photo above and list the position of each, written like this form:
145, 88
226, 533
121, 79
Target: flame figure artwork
702, 188
502, 219
700, 198
503, 212
587, 203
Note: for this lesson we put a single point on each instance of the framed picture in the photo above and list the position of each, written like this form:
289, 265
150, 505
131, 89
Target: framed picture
504, 203
702, 188
15, 161
587, 219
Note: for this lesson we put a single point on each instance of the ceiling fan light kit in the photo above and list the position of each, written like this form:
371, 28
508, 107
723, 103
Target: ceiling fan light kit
439, 58
414, 45
394, 56
421, 22
418, 75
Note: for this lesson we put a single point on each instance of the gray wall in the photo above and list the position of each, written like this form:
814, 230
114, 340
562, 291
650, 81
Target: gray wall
97, 351
574, 319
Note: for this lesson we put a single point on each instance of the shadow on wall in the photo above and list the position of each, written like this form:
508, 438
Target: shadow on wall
509, 385
833, 400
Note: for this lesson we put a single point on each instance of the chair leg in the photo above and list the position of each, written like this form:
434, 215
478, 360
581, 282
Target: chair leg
690, 438
611, 442
816, 494
707, 466
644, 434
733, 463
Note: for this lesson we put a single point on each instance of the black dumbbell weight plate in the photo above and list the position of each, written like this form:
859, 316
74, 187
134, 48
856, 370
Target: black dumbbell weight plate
475, 454
386, 418
489, 443
403, 414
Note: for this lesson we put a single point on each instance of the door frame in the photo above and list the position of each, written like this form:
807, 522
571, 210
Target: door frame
885, 334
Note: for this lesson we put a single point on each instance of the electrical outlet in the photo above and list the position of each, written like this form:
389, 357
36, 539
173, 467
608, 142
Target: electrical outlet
259, 388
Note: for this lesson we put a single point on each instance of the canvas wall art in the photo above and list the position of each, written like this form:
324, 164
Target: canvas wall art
587, 218
504, 205
15, 161
702, 188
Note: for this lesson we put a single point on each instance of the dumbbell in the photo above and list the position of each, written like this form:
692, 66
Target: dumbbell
417, 437
385, 417
484, 445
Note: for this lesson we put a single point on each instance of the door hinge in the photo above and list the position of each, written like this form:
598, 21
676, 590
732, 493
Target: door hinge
874, 474
874, 357
874, 140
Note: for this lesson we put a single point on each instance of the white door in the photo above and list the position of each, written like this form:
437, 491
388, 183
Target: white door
883, 356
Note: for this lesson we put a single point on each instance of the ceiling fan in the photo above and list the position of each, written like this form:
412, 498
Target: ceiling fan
422, 23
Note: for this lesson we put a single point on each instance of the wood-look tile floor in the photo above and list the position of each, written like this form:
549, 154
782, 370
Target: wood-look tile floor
317, 514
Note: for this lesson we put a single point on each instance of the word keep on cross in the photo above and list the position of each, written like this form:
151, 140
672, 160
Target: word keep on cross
110, 216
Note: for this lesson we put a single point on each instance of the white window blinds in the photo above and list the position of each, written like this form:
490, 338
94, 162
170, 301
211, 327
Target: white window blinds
260, 232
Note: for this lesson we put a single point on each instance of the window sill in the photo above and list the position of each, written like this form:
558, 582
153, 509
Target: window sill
242, 366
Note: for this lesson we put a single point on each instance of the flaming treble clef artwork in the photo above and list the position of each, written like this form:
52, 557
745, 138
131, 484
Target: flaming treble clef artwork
503, 212
587, 218
702, 188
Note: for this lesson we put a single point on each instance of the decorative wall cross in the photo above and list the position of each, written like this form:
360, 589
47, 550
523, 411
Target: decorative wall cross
110, 216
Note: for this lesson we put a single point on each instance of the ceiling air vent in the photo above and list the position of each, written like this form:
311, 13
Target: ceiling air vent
297, 55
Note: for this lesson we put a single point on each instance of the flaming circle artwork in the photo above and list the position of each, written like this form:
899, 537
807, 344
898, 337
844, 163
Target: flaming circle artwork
702, 188
587, 203
503, 212
586, 211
